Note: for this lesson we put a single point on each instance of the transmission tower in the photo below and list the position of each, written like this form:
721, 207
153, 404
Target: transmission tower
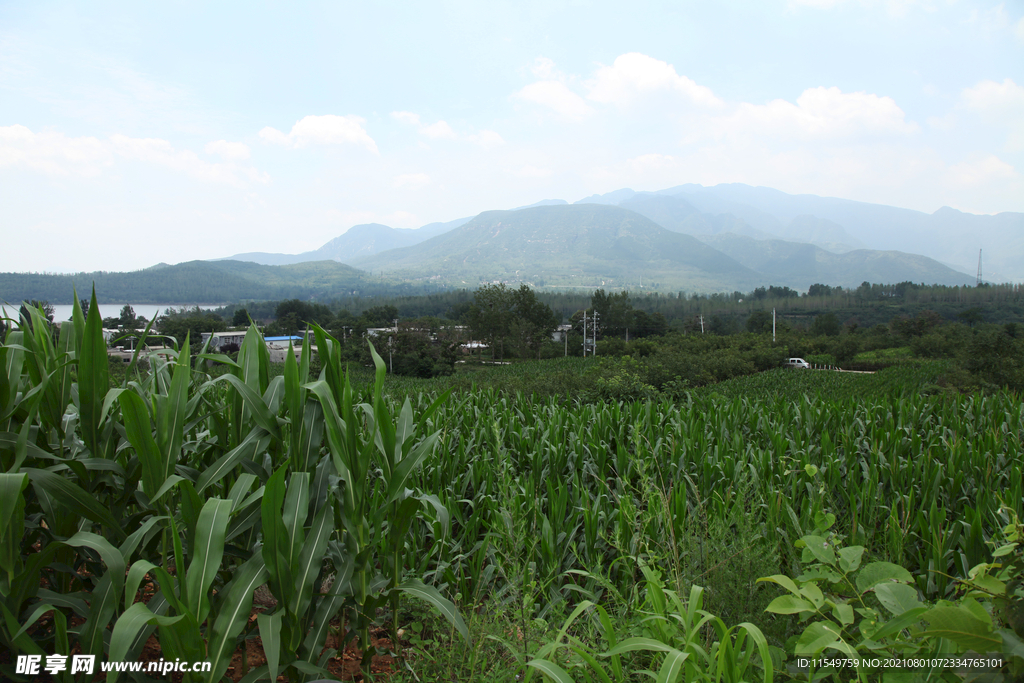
978, 284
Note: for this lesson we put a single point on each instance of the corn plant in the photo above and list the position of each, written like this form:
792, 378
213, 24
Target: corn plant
374, 465
674, 631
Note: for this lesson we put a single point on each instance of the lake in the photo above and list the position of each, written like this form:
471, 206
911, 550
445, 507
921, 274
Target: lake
63, 311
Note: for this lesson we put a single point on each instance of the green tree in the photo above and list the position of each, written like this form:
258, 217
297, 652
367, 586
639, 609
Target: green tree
491, 315
826, 325
533, 321
760, 322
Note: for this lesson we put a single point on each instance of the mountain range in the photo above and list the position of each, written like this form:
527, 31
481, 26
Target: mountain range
766, 235
689, 237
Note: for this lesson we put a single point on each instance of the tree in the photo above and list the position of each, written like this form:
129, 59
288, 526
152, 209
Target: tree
491, 315
826, 325
240, 318
533, 321
190, 321
128, 319
380, 316
759, 321
615, 313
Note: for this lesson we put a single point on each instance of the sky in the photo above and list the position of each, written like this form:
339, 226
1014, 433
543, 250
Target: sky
137, 133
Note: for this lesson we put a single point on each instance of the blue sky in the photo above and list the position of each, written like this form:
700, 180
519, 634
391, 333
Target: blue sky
134, 133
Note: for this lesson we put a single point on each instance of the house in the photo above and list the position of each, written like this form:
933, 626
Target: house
219, 340
560, 332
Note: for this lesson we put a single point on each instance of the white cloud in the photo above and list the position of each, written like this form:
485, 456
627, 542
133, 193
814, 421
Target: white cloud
56, 154
531, 172
415, 181
232, 151
438, 130
544, 69
1018, 29
329, 129
557, 96
435, 131
646, 163
406, 117
52, 153
487, 139
818, 113
999, 104
634, 74
895, 8
980, 172
162, 153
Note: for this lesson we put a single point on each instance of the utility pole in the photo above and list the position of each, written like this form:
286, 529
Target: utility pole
565, 338
702, 323
978, 284
584, 333
773, 326
594, 333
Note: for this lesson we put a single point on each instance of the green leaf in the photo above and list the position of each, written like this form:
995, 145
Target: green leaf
897, 597
254, 403
849, 558
896, 625
127, 628
634, 644
843, 613
254, 442
270, 634
138, 428
39, 611
418, 589
783, 581
93, 378
310, 559
234, 614
296, 508
75, 499
821, 549
11, 486
817, 637
206, 555
813, 593
879, 572
789, 604
672, 667
550, 670
962, 627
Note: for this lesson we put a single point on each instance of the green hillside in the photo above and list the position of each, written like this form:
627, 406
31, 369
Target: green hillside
194, 281
567, 245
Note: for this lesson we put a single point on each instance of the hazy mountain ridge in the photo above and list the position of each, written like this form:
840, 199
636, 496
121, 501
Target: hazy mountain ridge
563, 245
201, 281
358, 241
801, 265
685, 237
947, 235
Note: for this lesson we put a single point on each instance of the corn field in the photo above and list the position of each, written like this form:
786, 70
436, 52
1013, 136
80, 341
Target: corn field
348, 503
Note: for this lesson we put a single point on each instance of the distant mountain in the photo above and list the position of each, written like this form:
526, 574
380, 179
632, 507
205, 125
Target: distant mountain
679, 215
357, 242
949, 236
565, 245
616, 197
543, 202
200, 281
801, 265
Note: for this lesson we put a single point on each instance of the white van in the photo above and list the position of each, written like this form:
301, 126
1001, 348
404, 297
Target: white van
797, 363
